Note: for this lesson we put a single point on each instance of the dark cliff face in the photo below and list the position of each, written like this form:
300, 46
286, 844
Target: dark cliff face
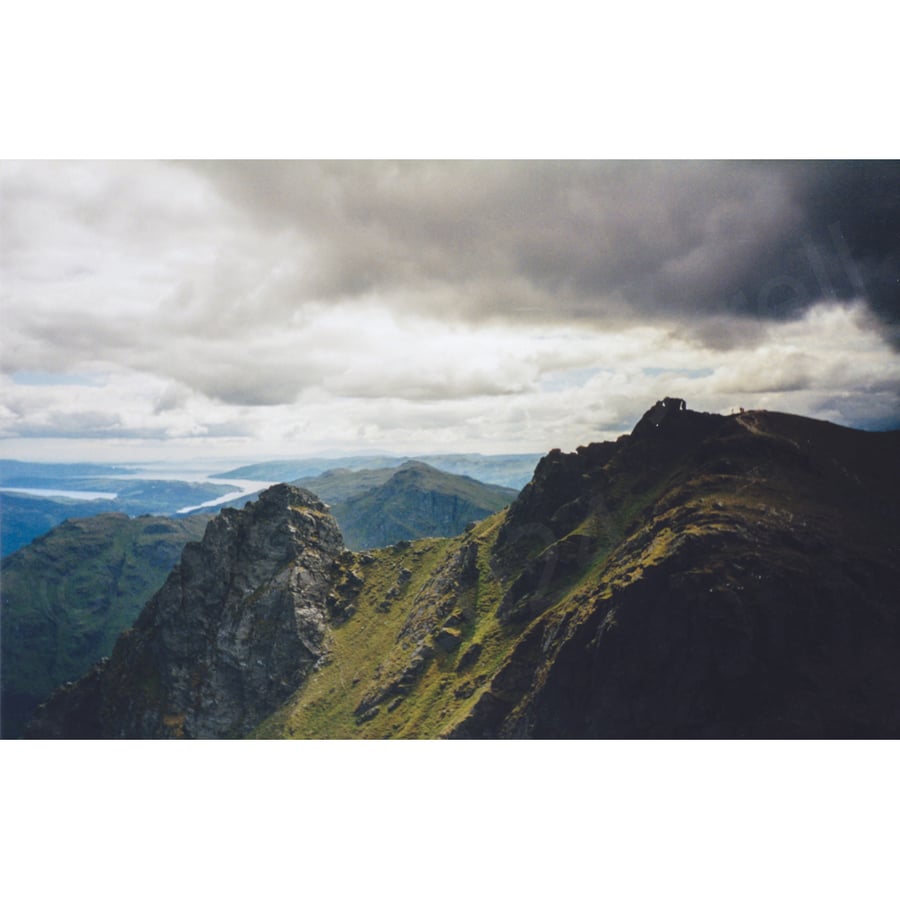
750, 592
237, 626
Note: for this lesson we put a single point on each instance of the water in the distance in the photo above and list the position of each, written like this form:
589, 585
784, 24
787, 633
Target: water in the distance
56, 492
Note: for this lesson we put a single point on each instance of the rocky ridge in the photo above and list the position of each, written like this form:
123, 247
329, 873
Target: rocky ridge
704, 576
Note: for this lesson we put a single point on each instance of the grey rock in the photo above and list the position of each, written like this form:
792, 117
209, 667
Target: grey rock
236, 628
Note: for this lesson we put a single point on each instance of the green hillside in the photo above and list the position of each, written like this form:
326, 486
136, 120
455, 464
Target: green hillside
341, 485
69, 594
416, 501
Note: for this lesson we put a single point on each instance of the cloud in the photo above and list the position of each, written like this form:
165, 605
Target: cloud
444, 304
589, 241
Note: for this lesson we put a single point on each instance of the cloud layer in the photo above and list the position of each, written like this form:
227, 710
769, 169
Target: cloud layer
263, 308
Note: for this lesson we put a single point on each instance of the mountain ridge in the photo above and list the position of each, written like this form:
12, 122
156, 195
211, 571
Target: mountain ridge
703, 576
506, 470
376, 507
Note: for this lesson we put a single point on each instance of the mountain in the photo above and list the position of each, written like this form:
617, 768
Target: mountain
377, 507
79, 560
68, 595
509, 470
289, 470
704, 576
16, 471
24, 516
341, 485
416, 501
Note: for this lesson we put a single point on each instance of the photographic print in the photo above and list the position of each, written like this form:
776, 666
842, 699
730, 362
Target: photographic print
450, 449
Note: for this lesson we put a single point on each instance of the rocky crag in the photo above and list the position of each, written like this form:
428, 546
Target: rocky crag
238, 624
704, 576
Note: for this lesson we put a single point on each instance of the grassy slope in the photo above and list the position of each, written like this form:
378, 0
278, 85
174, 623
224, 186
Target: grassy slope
324, 706
443, 697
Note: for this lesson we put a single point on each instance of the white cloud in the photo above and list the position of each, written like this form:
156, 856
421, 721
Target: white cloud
270, 310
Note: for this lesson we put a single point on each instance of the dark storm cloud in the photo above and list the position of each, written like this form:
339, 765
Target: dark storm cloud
855, 209
698, 243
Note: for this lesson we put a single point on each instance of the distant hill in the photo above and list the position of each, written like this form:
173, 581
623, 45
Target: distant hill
340, 485
416, 501
510, 470
68, 595
377, 507
25, 516
13, 471
290, 470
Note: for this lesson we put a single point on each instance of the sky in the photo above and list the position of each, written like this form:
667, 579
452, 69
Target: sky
255, 310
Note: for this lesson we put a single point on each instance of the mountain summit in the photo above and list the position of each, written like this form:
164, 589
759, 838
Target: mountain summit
704, 576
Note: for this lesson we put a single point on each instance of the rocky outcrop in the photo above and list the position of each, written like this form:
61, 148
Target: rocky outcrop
239, 624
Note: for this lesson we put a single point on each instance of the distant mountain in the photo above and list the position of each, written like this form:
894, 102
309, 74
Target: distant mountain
161, 497
24, 516
511, 470
416, 501
14, 470
68, 595
377, 507
340, 485
290, 470
705, 576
